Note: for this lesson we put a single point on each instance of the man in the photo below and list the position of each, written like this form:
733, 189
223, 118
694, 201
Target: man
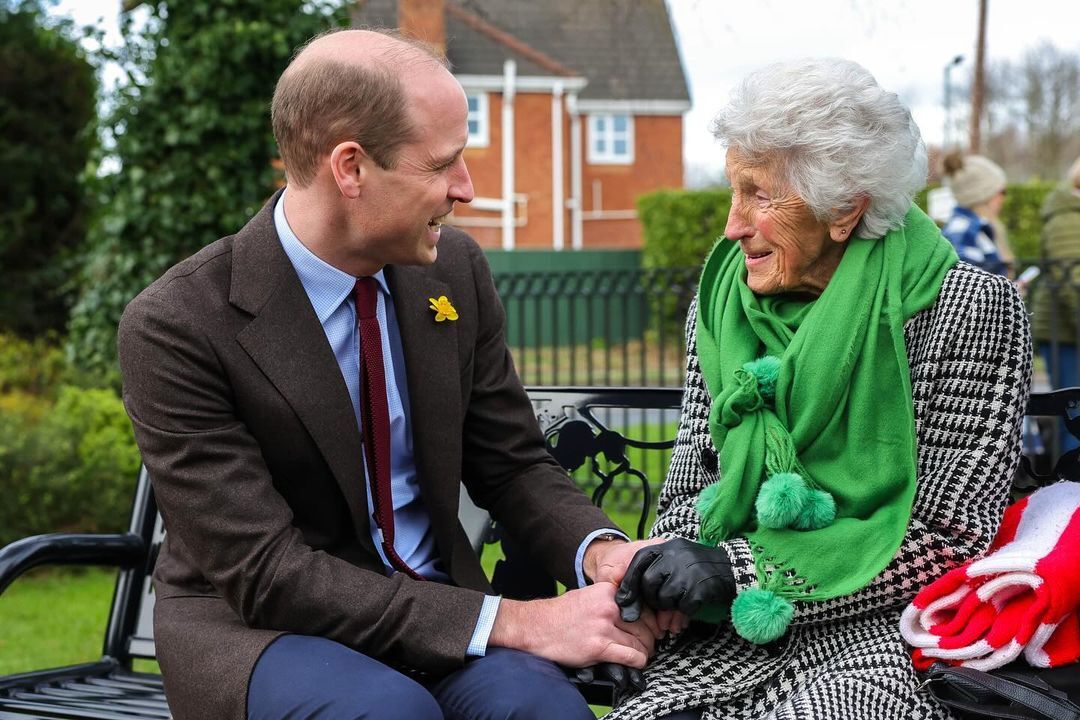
308, 395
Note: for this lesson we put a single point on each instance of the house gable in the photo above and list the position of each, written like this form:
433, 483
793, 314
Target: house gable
584, 102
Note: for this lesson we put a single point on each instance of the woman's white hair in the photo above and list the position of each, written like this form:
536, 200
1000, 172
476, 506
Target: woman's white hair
833, 135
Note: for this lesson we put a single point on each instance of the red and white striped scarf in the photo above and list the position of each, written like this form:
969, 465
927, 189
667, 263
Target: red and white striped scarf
1022, 597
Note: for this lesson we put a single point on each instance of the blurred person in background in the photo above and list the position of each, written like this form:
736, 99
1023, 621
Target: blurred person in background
1056, 311
978, 186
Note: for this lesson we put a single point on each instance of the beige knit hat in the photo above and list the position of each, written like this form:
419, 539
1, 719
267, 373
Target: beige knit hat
973, 179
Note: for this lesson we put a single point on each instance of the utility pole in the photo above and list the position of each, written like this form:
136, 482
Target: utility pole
946, 136
977, 81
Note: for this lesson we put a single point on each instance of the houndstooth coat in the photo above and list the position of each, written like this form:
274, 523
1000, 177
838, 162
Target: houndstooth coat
970, 359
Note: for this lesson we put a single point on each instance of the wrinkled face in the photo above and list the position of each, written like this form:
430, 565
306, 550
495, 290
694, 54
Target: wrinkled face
406, 204
786, 248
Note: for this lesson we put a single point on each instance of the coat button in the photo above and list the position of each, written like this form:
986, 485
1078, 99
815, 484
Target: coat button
708, 460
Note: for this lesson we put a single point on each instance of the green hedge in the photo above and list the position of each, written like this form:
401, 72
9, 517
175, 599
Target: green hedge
681, 226
68, 460
193, 137
34, 366
1021, 217
47, 122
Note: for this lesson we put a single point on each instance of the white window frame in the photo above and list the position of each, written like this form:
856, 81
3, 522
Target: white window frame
482, 136
608, 156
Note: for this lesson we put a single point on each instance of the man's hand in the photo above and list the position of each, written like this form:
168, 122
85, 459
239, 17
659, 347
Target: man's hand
579, 628
677, 575
607, 561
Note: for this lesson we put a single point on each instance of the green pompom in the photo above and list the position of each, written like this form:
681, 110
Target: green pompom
760, 615
818, 512
711, 529
766, 368
780, 500
708, 497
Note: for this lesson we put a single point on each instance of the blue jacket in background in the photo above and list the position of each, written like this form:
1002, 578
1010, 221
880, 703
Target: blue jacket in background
973, 239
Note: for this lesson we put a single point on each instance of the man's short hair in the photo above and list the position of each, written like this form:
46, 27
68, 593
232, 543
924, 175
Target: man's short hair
326, 102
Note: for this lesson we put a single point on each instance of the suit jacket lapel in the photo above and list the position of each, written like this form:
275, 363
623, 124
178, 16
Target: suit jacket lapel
287, 342
431, 364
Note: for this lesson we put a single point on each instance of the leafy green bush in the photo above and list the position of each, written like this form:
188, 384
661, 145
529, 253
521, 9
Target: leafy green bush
681, 226
47, 111
36, 367
1021, 217
192, 133
65, 466
68, 459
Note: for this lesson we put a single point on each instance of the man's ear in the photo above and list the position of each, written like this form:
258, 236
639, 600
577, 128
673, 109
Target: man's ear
841, 229
350, 166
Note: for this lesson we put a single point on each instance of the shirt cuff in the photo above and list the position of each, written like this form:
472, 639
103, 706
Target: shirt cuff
579, 560
484, 624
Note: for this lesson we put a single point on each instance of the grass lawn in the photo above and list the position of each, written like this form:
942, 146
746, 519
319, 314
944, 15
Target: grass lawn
50, 618
634, 363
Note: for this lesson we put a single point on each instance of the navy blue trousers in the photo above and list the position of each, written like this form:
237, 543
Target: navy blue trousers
301, 677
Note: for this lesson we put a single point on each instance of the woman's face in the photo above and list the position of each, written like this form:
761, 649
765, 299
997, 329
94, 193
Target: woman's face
786, 248
994, 205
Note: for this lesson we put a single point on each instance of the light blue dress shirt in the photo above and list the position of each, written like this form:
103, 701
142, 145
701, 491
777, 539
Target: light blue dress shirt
331, 294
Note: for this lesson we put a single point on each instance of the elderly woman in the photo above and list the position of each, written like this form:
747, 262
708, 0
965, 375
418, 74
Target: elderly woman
850, 425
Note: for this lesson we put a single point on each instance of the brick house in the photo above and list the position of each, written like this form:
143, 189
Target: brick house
575, 109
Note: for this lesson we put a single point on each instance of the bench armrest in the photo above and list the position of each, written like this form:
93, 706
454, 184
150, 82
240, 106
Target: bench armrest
125, 550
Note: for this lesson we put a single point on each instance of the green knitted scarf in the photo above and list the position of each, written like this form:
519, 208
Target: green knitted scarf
812, 416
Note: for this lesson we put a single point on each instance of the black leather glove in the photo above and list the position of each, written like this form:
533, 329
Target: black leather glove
677, 575
622, 677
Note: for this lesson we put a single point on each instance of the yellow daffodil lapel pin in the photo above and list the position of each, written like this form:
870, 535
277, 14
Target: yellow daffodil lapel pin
443, 309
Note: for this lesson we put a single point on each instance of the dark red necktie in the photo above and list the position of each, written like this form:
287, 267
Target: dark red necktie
375, 419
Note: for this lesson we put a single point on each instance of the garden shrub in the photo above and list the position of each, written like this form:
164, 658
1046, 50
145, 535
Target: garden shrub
681, 226
192, 134
48, 93
37, 366
67, 466
1021, 217
68, 459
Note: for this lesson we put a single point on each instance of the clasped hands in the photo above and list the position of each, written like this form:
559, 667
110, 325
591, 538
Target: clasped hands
661, 584
677, 575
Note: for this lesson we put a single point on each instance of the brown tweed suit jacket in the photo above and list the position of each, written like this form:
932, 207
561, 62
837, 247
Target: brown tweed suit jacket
246, 427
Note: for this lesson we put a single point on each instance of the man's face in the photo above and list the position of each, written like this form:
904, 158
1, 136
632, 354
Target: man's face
404, 206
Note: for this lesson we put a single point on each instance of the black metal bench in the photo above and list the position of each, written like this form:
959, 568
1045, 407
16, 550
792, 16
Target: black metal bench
605, 433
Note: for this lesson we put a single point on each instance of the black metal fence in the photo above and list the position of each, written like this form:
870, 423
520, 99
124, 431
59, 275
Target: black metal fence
598, 327
620, 327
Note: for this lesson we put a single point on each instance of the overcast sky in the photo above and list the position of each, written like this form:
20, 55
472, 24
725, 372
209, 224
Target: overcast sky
904, 43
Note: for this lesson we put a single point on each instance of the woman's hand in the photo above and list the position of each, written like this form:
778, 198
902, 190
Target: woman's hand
677, 575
